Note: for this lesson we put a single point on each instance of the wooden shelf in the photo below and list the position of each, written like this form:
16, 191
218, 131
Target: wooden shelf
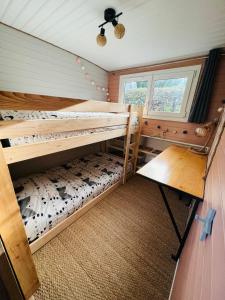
117, 143
119, 148
150, 151
116, 148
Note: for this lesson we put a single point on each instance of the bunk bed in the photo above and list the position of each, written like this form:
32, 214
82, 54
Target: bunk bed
32, 126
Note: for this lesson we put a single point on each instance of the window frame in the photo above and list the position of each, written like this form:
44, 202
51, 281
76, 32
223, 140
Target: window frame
192, 72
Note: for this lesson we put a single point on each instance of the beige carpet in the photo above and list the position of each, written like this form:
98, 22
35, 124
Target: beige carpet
120, 249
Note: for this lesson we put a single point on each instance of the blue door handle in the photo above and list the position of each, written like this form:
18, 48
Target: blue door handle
207, 223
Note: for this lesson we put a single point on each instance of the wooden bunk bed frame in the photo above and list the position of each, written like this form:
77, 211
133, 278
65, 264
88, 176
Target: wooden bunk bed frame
12, 230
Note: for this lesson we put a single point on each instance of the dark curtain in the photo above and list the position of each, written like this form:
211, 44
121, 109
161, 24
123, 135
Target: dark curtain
200, 106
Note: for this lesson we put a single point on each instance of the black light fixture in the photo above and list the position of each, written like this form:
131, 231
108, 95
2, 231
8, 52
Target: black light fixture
110, 17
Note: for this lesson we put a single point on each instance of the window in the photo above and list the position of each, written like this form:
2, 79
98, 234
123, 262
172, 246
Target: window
166, 94
135, 91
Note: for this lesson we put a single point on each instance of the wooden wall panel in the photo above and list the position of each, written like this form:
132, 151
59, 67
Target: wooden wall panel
150, 127
201, 269
29, 65
114, 76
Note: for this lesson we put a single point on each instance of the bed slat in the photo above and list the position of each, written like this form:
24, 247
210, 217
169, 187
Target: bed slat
17, 128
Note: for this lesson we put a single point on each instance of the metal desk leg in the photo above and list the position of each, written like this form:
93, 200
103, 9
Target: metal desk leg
170, 213
188, 226
187, 229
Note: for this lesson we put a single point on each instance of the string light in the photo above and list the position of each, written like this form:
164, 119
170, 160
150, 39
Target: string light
88, 77
78, 60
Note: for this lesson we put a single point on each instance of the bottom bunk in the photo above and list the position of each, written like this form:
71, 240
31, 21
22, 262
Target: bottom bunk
52, 200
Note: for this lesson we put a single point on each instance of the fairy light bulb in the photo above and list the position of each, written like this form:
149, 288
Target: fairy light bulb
78, 60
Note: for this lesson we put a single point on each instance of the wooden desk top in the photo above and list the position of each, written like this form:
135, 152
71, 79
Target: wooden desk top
179, 168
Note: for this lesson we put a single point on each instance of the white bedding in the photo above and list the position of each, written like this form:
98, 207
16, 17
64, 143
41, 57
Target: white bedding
47, 198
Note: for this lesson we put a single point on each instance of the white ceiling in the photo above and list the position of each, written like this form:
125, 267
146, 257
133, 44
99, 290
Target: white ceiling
156, 30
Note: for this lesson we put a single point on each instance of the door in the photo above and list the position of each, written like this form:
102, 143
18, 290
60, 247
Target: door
13, 235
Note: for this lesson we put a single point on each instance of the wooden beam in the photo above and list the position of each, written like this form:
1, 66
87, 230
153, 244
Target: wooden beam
127, 143
13, 234
28, 151
23, 101
17, 128
138, 136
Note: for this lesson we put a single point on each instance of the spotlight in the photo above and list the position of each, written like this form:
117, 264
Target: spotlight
101, 39
119, 29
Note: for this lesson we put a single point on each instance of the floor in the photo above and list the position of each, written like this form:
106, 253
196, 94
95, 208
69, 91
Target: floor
120, 249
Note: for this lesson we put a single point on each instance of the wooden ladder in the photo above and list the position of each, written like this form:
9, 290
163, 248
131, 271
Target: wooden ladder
134, 146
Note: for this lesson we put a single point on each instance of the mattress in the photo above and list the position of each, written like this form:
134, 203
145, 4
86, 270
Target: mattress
47, 198
34, 115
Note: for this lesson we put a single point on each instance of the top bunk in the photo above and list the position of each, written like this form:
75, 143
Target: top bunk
35, 125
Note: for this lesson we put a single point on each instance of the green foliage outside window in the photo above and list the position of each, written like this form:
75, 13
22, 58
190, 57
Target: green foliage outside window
135, 92
136, 96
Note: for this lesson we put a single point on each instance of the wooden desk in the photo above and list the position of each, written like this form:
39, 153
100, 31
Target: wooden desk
183, 171
179, 168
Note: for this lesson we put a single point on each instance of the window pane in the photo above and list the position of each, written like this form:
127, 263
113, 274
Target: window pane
168, 95
135, 92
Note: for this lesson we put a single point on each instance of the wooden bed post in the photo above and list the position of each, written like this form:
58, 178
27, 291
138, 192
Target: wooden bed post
139, 110
13, 234
135, 145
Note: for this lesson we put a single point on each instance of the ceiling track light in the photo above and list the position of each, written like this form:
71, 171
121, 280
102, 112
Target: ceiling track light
119, 29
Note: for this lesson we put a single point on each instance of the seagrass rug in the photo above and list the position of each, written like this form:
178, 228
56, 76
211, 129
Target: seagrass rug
120, 249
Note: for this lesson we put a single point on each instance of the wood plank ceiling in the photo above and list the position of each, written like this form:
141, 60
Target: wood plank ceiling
157, 30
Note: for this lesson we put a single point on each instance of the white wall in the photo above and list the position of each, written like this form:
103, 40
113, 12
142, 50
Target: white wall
32, 66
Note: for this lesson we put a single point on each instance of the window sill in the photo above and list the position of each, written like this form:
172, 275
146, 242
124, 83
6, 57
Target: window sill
154, 117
